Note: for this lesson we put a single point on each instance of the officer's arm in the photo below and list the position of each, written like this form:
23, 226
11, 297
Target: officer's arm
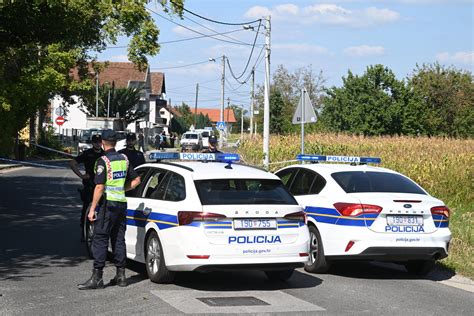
132, 184
98, 192
75, 167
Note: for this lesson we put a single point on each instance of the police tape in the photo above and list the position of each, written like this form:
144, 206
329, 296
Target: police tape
52, 150
33, 164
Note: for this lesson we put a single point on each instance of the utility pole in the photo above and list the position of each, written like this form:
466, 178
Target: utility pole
221, 118
252, 96
266, 104
97, 94
108, 102
196, 105
241, 122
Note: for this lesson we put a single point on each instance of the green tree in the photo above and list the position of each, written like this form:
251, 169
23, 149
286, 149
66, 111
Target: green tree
40, 41
371, 104
278, 123
444, 100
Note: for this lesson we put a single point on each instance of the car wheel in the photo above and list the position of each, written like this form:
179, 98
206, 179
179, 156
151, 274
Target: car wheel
279, 275
155, 261
419, 267
317, 262
88, 236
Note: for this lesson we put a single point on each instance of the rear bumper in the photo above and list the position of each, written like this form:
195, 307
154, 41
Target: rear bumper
261, 266
396, 254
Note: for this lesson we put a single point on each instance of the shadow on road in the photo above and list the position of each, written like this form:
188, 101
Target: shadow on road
384, 271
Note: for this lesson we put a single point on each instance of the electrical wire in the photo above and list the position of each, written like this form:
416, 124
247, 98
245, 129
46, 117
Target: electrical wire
213, 36
181, 66
211, 20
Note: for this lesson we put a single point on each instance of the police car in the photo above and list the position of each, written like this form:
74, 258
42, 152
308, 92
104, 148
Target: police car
356, 211
207, 212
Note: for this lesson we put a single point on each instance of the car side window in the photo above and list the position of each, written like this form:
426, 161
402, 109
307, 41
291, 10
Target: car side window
154, 182
142, 172
176, 189
318, 184
286, 176
302, 183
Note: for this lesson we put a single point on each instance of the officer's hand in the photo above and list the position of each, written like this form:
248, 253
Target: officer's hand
85, 176
91, 216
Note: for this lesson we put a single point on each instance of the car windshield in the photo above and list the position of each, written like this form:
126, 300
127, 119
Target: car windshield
190, 136
360, 181
243, 191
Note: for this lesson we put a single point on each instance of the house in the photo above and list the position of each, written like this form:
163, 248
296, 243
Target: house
215, 114
122, 75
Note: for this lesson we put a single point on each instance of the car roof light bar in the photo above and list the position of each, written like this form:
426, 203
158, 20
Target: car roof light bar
220, 157
339, 159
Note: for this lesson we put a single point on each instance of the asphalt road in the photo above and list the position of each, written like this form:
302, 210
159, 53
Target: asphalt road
42, 260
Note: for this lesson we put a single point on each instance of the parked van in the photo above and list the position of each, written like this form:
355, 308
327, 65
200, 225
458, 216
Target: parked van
191, 141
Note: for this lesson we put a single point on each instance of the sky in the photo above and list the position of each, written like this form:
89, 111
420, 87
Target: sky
330, 36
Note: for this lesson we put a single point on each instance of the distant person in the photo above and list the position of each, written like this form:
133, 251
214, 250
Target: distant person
88, 158
135, 157
113, 176
141, 142
172, 139
157, 141
163, 143
212, 145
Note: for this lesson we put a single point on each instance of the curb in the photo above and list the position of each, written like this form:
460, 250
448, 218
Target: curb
7, 167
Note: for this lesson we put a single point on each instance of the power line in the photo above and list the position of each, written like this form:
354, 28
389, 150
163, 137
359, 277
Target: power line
192, 85
211, 20
200, 33
182, 66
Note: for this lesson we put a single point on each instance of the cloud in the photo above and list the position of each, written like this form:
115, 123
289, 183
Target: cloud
331, 14
466, 58
302, 49
364, 51
119, 58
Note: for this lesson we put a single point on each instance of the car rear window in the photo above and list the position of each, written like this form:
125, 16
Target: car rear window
243, 191
359, 181
190, 136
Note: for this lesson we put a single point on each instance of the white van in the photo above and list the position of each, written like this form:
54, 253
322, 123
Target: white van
191, 141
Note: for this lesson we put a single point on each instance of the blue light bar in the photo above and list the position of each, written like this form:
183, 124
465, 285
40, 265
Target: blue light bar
339, 159
222, 157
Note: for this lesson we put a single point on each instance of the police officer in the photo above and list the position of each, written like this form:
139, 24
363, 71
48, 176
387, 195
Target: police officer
113, 176
134, 156
88, 158
212, 145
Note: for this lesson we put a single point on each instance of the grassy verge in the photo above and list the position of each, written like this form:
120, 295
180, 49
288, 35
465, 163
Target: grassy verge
443, 166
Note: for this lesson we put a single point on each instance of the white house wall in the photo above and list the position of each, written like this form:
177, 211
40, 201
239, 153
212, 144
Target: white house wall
75, 118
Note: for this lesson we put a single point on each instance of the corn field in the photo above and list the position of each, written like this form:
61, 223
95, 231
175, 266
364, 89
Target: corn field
442, 166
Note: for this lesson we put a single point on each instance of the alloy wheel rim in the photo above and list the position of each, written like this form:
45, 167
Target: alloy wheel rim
153, 256
313, 248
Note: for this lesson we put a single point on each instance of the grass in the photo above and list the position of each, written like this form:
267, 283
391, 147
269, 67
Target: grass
443, 166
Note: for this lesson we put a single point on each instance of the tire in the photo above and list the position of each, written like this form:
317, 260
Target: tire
317, 262
155, 261
279, 275
419, 267
88, 235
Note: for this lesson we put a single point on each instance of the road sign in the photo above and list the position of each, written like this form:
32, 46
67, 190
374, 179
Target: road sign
220, 126
309, 114
60, 111
60, 120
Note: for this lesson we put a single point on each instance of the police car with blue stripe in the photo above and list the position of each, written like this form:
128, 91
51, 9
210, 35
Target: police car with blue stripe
208, 212
356, 211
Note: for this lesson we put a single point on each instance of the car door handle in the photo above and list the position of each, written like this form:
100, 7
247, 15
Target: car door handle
146, 211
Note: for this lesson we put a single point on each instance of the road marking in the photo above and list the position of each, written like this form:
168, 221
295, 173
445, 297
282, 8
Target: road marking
191, 302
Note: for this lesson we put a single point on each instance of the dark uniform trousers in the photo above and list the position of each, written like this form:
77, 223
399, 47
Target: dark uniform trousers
111, 221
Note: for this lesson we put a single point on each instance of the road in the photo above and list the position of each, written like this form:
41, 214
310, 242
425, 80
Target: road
42, 260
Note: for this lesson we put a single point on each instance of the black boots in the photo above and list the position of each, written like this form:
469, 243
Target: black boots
120, 278
95, 281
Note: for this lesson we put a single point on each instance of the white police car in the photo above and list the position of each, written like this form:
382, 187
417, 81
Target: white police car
204, 215
356, 211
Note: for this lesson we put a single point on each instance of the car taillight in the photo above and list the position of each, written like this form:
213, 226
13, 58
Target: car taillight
440, 210
297, 216
186, 217
356, 209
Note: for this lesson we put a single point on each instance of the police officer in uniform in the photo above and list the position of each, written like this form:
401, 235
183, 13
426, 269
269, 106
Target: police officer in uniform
113, 176
88, 158
134, 156
212, 145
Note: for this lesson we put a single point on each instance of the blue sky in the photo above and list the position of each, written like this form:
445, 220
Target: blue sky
332, 36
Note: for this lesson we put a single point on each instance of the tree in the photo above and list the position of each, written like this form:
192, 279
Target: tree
277, 120
444, 100
40, 41
371, 104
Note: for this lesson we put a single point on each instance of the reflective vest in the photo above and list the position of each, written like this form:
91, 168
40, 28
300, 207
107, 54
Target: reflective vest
116, 176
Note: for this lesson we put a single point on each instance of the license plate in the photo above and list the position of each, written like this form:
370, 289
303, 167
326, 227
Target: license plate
404, 220
255, 223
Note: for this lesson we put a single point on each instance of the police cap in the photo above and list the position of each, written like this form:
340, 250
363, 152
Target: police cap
212, 139
131, 136
96, 138
109, 135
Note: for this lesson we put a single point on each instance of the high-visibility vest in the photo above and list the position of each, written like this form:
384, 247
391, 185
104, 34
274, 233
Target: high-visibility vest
116, 176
